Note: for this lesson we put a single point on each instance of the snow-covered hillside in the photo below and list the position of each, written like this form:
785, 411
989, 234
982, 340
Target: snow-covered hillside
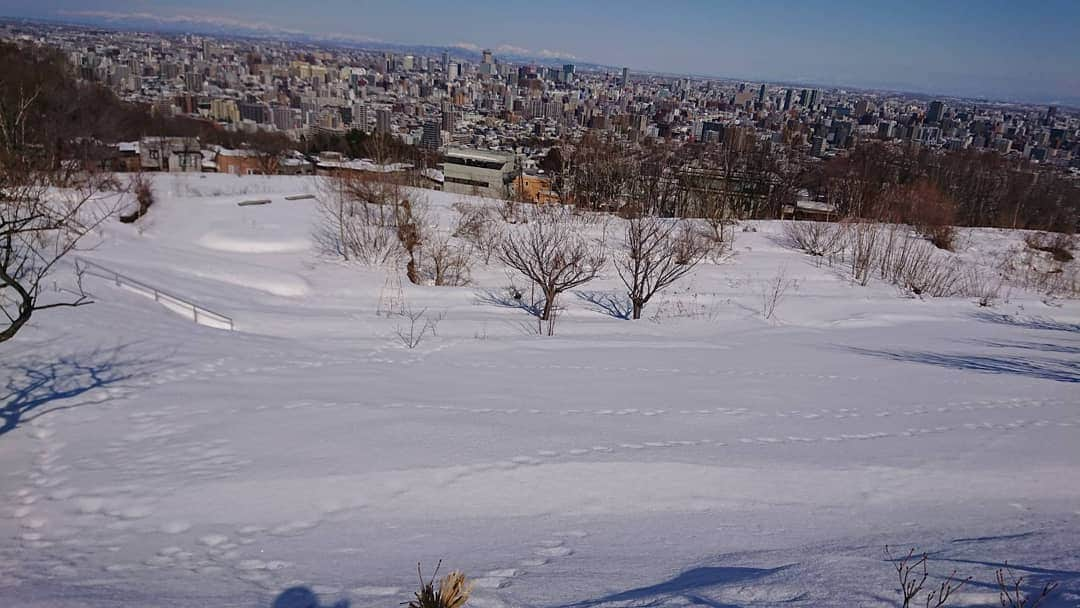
701, 455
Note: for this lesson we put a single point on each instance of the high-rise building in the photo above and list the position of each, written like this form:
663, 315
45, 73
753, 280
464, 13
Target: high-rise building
447, 117
787, 99
625, 77
815, 97
431, 138
761, 94
936, 111
382, 121
488, 58
360, 116
568, 72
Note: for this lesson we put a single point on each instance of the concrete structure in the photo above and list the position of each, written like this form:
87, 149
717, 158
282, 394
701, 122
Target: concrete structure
482, 172
172, 154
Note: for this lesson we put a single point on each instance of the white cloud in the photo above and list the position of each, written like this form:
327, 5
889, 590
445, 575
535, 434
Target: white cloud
512, 50
549, 54
467, 46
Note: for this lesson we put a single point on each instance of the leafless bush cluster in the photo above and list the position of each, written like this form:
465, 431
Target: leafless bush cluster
862, 244
655, 254
822, 239
893, 252
444, 262
915, 265
912, 574
1036, 270
376, 222
551, 253
478, 225
358, 220
984, 285
1059, 245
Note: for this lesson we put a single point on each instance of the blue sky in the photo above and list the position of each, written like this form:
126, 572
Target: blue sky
1002, 49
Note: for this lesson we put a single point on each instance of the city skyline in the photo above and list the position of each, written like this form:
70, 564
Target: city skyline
990, 50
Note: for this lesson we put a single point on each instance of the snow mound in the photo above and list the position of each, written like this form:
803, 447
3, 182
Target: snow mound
233, 243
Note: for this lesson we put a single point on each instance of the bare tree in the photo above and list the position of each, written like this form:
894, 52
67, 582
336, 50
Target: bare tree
551, 254
46, 210
358, 219
912, 574
656, 253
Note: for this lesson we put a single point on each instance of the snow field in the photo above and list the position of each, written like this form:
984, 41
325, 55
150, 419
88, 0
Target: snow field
700, 455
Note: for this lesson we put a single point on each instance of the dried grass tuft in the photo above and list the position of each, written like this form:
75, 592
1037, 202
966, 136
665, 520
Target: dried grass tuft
454, 590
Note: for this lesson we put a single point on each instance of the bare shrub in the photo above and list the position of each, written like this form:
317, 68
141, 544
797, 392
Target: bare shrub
477, 224
822, 239
1010, 590
415, 325
917, 267
912, 574
1037, 271
862, 241
925, 273
357, 220
551, 253
655, 254
444, 262
143, 191
1057, 244
772, 292
983, 285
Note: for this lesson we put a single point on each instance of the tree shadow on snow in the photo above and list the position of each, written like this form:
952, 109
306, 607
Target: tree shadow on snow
612, 304
1048, 347
1027, 322
1031, 367
687, 586
506, 299
302, 597
36, 385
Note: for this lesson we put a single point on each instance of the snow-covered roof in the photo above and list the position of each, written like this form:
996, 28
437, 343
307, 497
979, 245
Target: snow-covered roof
815, 206
364, 165
434, 175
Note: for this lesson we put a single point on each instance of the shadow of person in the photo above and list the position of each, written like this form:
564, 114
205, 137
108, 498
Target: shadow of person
302, 597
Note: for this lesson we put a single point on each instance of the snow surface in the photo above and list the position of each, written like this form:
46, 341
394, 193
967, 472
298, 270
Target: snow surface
701, 456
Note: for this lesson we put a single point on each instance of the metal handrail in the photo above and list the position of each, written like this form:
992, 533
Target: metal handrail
82, 264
